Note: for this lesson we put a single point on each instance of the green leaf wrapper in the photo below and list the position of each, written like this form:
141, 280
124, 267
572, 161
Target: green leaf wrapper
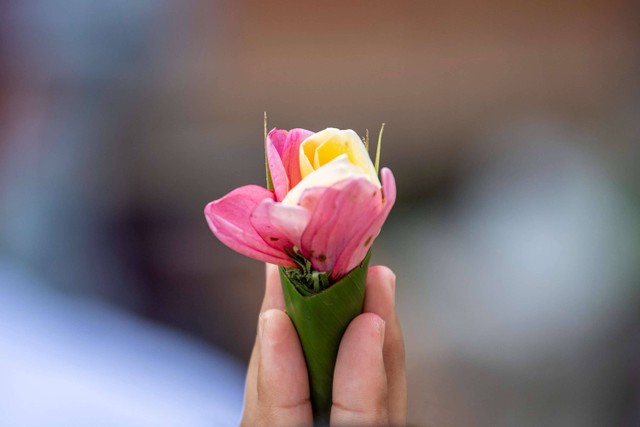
321, 320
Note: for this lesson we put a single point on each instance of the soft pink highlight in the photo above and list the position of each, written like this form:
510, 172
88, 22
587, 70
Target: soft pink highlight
283, 158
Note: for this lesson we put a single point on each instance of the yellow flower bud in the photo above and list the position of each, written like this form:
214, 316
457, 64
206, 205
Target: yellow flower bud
323, 147
330, 156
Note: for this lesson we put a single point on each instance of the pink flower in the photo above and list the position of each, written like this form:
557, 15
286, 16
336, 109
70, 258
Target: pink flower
327, 203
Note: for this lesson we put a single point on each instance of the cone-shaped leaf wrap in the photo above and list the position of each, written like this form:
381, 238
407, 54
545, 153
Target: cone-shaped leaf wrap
320, 321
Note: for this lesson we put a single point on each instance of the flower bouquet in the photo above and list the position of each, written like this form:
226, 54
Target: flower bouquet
322, 209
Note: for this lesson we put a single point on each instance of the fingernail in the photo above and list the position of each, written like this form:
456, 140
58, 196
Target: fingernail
381, 328
264, 317
392, 286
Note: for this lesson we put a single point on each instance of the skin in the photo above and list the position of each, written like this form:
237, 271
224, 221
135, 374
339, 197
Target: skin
369, 381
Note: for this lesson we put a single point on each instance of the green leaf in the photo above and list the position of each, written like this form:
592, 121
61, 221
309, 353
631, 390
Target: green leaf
366, 140
377, 164
321, 320
266, 157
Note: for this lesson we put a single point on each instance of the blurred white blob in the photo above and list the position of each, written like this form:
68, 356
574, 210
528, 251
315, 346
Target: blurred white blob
538, 259
521, 285
73, 362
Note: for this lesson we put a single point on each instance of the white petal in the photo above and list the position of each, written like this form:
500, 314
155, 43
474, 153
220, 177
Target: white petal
337, 170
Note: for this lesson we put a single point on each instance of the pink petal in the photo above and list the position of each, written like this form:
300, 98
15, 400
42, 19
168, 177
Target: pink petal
290, 154
358, 247
284, 158
276, 138
311, 195
229, 219
280, 226
339, 215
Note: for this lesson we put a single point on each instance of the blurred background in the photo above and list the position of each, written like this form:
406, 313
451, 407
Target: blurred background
513, 129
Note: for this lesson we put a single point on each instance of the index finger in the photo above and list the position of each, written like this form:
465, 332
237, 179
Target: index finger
273, 297
380, 299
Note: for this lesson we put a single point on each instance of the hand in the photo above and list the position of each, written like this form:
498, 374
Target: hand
369, 384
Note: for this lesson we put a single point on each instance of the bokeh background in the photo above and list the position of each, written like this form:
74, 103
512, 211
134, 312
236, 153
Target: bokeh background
513, 129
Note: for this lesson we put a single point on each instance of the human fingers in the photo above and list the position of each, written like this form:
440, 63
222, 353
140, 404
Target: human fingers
380, 299
360, 381
282, 379
272, 299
